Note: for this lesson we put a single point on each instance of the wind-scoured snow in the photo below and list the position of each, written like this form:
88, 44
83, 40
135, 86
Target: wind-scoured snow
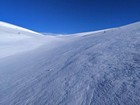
98, 68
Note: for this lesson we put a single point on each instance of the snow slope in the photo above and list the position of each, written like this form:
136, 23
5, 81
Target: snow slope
15, 39
99, 68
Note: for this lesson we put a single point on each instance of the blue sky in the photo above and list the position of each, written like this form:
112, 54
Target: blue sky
69, 16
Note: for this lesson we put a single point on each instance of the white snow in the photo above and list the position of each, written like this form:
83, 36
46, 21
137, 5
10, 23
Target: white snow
93, 68
14, 39
11, 26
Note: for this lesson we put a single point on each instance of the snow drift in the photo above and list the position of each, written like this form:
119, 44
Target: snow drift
95, 68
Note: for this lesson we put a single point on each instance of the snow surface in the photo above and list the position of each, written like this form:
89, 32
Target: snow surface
98, 68
14, 27
14, 39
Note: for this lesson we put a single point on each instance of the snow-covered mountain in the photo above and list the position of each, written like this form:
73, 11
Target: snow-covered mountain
15, 39
92, 68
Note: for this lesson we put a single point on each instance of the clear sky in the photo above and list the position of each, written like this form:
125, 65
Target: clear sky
69, 16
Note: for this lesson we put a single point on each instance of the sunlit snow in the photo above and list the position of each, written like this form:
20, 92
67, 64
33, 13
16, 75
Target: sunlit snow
92, 68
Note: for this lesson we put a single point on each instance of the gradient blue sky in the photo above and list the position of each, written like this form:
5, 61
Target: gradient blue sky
69, 16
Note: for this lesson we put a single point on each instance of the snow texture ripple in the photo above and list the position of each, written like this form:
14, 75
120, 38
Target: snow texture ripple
95, 68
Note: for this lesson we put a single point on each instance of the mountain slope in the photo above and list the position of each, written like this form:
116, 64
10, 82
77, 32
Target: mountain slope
99, 68
15, 39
